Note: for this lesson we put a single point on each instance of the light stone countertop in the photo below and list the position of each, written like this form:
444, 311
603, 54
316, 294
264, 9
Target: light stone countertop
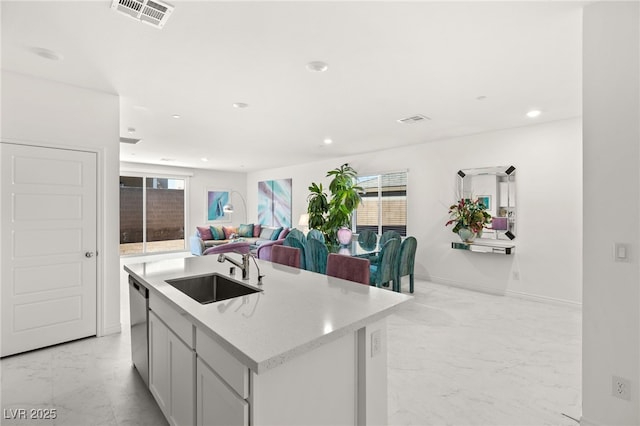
296, 312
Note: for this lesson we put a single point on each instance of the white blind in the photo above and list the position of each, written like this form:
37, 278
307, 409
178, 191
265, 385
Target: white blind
384, 203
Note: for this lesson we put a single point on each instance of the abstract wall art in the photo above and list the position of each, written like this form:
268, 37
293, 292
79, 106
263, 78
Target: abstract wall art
274, 202
216, 199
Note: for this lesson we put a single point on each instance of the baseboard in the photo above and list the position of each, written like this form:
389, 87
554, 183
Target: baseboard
112, 329
586, 422
509, 293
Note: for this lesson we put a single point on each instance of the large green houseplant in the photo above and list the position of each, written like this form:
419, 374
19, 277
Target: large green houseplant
330, 214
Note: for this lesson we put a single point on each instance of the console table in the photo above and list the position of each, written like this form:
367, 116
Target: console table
485, 247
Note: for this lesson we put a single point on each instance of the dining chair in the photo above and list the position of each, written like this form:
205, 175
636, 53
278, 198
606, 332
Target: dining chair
316, 256
386, 236
285, 255
384, 271
406, 262
315, 234
367, 239
348, 267
300, 244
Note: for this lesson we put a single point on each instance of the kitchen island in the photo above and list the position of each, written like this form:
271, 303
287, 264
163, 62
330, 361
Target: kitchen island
304, 349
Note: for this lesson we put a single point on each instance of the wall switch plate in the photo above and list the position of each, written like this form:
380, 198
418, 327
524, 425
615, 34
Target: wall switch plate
621, 252
621, 388
376, 343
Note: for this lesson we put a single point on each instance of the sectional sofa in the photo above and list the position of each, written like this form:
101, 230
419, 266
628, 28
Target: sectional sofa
212, 236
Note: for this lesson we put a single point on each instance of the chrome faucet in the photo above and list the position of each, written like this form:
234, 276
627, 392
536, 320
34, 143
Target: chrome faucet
244, 266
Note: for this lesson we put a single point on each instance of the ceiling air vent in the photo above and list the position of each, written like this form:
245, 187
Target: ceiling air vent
415, 119
129, 140
152, 12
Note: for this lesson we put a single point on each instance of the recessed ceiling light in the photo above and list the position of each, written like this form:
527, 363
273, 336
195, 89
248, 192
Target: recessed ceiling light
47, 53
328, 141
534, 113
317, 66
240, 105
205, 159
176, 116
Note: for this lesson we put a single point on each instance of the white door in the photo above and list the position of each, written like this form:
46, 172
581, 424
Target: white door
47, 246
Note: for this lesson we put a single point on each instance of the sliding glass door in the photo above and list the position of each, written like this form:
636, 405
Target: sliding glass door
152, 214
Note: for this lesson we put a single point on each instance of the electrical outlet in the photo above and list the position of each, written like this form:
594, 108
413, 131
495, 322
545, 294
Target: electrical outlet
376, 343
621, 388
516, 275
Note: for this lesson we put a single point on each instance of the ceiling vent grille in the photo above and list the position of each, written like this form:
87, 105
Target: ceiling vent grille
132, 141
415, 119
152, 12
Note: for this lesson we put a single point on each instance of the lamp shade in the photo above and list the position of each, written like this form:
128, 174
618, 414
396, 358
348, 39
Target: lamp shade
304, 220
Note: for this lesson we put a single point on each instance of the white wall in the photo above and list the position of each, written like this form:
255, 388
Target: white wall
199, 180
46, 113
611, 105
548, 159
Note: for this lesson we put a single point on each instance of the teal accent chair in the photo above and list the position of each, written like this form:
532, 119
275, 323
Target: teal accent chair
317, 253
315, 234
367, 239
384, 271
294, 241
406, 263
296, 233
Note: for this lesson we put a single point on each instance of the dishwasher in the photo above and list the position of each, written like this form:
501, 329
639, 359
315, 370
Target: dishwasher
139, 314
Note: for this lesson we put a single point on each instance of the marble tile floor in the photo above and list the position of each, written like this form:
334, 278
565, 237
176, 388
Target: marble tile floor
456, 357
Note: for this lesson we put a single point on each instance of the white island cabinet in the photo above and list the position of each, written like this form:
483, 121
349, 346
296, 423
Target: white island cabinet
306, 349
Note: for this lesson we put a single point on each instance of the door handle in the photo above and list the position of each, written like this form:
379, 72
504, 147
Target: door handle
88, 254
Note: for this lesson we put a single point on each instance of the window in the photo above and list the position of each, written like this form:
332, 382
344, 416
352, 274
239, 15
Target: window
152, 214
384, 203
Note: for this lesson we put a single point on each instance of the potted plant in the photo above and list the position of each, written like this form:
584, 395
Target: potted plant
329, 215
469, 217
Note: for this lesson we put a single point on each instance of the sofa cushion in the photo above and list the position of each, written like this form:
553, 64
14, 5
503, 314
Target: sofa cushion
245, 230
229, 231
204, 232
217, 233
256, 230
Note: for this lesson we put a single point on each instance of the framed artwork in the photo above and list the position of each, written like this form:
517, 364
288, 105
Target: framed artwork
215, 201
274, 202
485, 200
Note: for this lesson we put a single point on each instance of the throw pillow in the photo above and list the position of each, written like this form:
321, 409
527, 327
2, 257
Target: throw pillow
284, 233
276, 234
256, 230
266, 233
204, 233
229, 231
245, 230
217, 232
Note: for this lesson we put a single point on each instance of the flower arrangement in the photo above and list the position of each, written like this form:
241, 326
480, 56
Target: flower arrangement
469, 214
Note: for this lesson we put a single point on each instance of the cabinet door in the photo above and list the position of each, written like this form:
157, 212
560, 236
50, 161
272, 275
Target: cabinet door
182, 362
171, 373
217, 403
159, 362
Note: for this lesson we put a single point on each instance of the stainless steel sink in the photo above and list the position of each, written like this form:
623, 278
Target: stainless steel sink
211, 288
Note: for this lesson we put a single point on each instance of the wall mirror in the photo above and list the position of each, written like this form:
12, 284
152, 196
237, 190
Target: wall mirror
495, 187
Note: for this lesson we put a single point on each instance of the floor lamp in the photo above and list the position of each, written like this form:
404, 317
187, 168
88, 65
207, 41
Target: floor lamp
228, 208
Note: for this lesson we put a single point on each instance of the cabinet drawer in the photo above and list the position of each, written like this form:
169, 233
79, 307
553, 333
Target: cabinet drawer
234, 373
180, 325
